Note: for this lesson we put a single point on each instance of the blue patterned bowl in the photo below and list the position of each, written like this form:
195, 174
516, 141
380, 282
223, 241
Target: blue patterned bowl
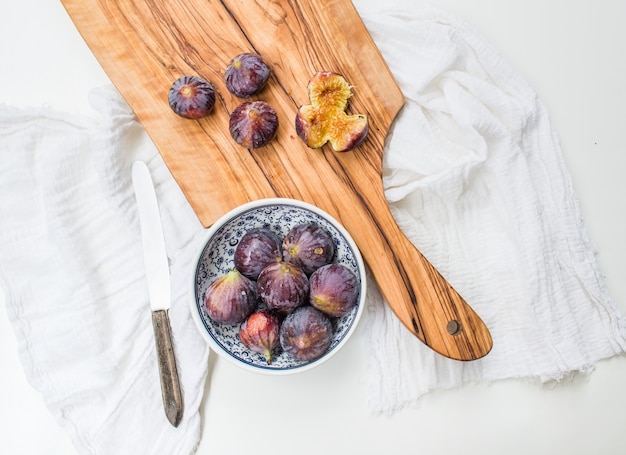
216, 259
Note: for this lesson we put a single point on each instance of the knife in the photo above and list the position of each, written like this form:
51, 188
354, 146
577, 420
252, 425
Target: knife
158, 278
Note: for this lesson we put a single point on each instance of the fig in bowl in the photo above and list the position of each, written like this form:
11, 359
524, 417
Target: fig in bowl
260, 332
334, 289
308, 246
257, 249
306, 333
283, 286
231, 298
282, 291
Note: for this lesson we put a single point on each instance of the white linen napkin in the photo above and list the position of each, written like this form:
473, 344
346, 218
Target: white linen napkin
474, 176
71, 266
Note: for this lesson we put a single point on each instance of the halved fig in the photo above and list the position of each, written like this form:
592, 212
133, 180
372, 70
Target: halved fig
325, 120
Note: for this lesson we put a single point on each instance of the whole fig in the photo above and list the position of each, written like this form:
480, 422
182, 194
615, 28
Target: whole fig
257, 248
309, 246
253, 124
246, 75
283, 286
260, 332
306, 334
191, 97
231, 298
334, 289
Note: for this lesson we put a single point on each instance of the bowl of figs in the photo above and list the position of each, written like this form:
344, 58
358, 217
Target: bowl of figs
278, 286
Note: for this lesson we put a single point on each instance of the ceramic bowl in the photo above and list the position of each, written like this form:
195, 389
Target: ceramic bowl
215, 258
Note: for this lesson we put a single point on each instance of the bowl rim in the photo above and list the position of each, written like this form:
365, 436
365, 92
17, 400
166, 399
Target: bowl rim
210, 231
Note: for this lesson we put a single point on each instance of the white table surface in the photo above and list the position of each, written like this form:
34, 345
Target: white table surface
574, 53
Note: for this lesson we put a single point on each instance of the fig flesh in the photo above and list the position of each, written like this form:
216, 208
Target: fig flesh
191, 97
260, 332
334, 290
308, 246
246, 75
283, 286
325, 119
306, 334
253, 124
231, 298
257, 248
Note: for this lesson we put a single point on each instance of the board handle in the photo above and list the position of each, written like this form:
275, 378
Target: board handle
424, 301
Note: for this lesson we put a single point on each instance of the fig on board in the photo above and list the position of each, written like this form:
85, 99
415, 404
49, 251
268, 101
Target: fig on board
325, 118
191, 97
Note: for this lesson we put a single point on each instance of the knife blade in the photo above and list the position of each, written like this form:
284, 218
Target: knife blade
158, 281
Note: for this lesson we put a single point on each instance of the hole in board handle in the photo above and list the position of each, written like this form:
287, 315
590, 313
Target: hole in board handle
454, 327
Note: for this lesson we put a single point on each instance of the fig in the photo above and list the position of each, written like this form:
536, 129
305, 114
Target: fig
334, 289
325, 120
283, 286
306, 333
309, 246
231, 298
246, 75
253, 124
256, 249
191, 97
260, 332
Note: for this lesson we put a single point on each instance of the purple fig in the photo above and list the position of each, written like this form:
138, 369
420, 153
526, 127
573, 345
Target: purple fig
256, 249
283, 286
191, 97
334, 289
306, 334
253, 124
246, 75
231, 298
309, 247
260, 333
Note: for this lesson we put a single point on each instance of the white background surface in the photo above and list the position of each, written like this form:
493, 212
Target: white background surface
574, 54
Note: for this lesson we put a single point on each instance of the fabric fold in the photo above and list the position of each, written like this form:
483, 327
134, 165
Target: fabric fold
475, 178
71, 263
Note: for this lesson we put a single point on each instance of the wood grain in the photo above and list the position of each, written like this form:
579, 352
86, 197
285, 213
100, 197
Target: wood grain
144, 45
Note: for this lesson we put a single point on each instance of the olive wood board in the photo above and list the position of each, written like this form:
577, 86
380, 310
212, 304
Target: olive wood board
144, 45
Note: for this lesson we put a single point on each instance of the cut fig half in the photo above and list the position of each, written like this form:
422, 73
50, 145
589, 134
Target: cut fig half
325, 120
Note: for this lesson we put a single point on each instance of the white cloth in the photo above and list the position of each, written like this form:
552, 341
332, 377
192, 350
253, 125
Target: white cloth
474, 175
72, 269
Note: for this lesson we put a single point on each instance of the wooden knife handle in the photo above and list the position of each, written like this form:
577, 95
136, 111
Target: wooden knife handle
170, 386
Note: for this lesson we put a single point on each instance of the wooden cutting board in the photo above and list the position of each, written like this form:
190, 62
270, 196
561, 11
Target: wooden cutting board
144, 45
